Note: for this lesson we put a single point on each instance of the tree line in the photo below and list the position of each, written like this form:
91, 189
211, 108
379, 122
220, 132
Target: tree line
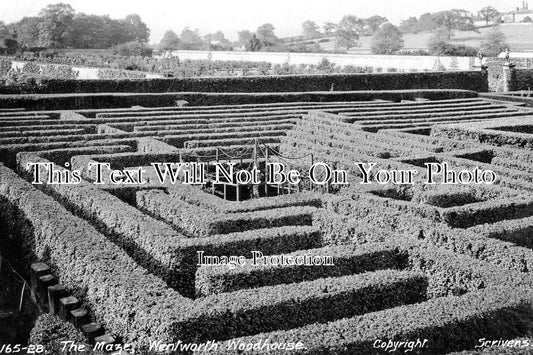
59, 26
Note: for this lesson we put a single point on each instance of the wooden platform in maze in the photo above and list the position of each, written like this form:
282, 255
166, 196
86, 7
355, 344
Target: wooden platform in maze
448, 264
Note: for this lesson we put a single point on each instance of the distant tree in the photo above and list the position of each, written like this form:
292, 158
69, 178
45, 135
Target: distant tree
244, 37
135, 29
348, 31
217, 41
488, 13
170, 41
439, 41
191, 40
325, 66
28, 32
329, 28
6, 39
494, 43
93, 31
265, 33
374, 23
455, 19
310, 29
527, 19
55, 24
427, 22
4, 31
219, 36
410, 25
254, 44
387, 40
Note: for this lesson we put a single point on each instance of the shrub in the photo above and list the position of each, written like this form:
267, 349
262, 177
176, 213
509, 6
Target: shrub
134, 48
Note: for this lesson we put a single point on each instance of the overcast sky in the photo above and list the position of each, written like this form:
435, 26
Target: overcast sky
231, 16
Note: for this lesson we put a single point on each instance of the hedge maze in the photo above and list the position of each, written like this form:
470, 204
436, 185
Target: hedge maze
448, 264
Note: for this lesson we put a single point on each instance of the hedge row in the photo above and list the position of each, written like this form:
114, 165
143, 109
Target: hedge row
426, 116
11, 134
51, 331
339, 134
216, 132
512, 164
482, 134
449, 323
320, 103
264, 137
196, 221
8, 152
246, 312
24, 116
472, 80
165, 99
71, 138
207, 154
517, 231
348, 259
445, 144
62, 156
319, 120
522, 80
150, 242
512, 178
32, 127
90, 264
195, 196
338, 157
438, 118
44, 121
321, 137
239, 138
488, 211
433, 107
360, 221
222, 128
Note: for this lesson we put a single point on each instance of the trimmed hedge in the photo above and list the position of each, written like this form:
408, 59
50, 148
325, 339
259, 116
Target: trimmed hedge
195, 196
449, 323
362, 221
195, 221
467, 80
8, 152
117, 100
88, 263
517, 231
484, 133
348, 259
150, 242
246, 312
49, 331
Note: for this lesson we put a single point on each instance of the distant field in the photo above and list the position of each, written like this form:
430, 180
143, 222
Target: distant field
519, 38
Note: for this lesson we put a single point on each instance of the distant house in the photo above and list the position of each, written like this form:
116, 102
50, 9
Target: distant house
523, 14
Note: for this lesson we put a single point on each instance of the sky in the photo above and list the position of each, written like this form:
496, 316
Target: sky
231, 16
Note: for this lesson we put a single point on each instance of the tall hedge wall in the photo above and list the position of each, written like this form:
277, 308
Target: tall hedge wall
468, 80
522, 80
62, 101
